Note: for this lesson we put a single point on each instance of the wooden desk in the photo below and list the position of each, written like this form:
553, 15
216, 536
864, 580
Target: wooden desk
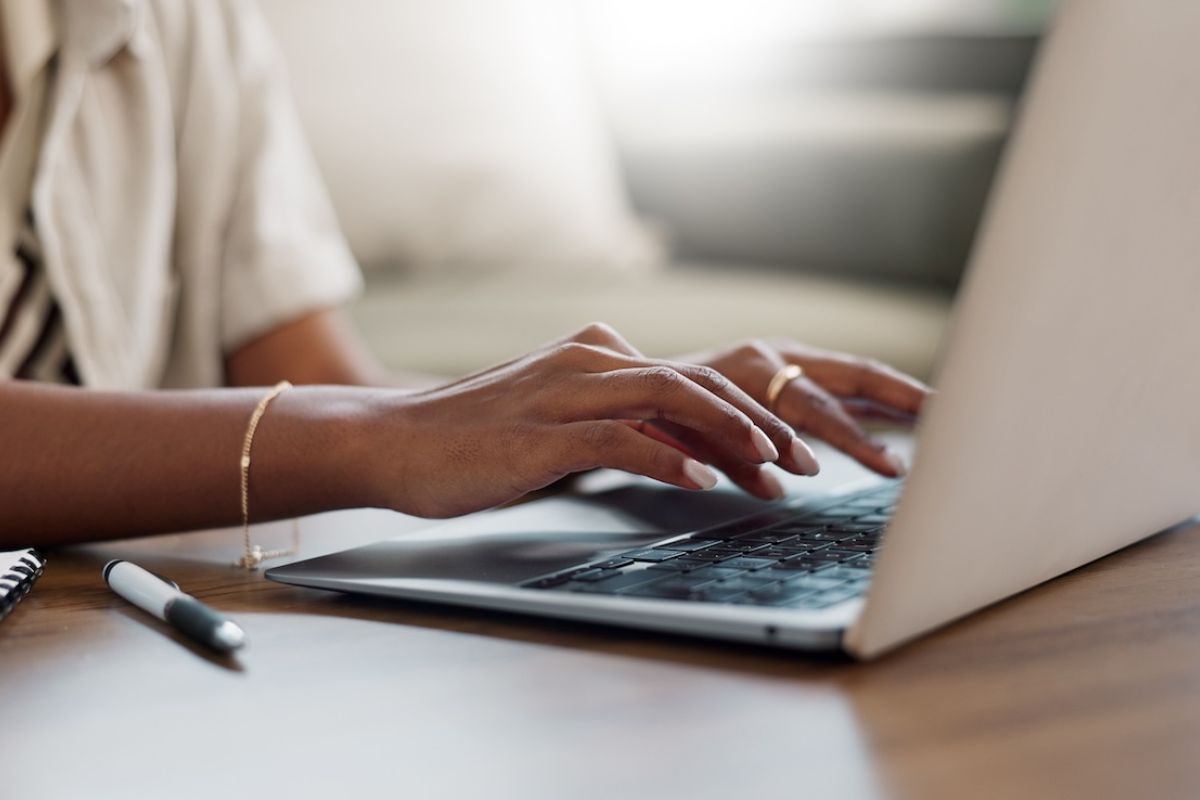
1086, 687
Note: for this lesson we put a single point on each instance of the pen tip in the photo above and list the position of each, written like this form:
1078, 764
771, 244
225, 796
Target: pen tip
228, 636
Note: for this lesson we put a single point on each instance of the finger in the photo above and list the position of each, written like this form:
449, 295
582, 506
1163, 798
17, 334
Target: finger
663, 393
782, 444
811, 408
755, 480
659, 434
850, 377
794, 455
867, 410
612, 444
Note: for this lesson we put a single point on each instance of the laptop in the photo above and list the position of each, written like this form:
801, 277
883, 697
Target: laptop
1064, 428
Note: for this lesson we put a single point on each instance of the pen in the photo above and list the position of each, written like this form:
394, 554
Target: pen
185, 613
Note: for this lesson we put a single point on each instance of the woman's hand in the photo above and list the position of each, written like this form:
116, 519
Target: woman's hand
833, 390
588, 401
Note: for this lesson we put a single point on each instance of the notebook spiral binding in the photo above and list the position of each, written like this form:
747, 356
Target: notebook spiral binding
18, 571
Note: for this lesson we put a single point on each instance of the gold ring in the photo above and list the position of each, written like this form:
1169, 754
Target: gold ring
779, 382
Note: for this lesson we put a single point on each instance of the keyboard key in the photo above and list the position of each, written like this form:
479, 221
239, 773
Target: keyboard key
547, 582
853, 546
727, 548
840, 555
766, 536
712, 555
721, 594
682, 564
873, 519
652, 554
844, 573
613, 563
743, 546
817, 583
806, 563
624, 580
749, 562
868, 536
732, 588
664, 592
840, 593
853, 528
688, 545
596, 575
780, 553
717, 573
825, 535
777, 594
680, 588
794, 527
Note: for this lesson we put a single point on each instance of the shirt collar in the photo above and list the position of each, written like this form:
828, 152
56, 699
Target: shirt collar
30, 39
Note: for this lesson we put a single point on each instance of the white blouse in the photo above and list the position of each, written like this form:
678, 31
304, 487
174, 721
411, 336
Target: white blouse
33, 342
178, 207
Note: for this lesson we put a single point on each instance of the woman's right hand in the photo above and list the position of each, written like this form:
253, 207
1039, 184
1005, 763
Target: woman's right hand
587, 401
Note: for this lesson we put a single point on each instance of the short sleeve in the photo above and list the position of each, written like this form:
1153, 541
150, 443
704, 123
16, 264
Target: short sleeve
284, 253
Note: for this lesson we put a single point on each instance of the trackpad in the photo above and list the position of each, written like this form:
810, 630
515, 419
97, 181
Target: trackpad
492, 558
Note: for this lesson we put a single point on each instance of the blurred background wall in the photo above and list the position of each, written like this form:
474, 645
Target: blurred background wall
692, 171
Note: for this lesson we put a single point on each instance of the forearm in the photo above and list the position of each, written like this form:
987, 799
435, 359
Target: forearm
80, 465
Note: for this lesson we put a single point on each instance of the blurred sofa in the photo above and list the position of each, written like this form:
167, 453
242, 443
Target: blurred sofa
498, 200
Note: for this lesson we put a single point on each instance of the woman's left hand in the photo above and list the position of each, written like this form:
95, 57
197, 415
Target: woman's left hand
829, 398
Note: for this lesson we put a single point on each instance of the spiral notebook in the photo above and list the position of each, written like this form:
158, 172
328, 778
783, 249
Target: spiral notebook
18, 570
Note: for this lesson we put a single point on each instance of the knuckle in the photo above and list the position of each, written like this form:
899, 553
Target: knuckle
711, 377
871, 365
519, 439
572, 352
522, 437
596, 332
662, 379
818, 400
815, 401
602, 435
754, 348
735, 419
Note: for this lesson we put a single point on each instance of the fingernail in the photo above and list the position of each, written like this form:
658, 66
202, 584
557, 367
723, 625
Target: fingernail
763, 445
896, 462
773, 486
699, 474
804, 458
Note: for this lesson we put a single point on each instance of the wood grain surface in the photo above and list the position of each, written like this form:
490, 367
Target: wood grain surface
1085, 687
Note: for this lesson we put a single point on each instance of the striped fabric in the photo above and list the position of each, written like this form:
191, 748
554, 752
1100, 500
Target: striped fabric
33, 339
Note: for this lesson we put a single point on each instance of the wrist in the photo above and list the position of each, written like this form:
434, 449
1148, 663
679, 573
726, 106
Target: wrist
313, 452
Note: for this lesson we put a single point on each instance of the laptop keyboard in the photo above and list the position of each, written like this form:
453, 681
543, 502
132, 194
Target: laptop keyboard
785, 558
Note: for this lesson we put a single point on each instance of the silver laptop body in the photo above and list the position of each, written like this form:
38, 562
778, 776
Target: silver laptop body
1065, 426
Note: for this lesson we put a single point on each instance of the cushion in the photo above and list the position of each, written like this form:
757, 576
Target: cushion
459, 133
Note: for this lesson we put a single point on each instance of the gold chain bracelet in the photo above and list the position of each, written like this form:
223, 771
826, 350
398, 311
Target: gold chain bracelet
254, 555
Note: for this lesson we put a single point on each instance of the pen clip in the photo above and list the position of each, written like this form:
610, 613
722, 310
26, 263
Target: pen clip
167, 581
